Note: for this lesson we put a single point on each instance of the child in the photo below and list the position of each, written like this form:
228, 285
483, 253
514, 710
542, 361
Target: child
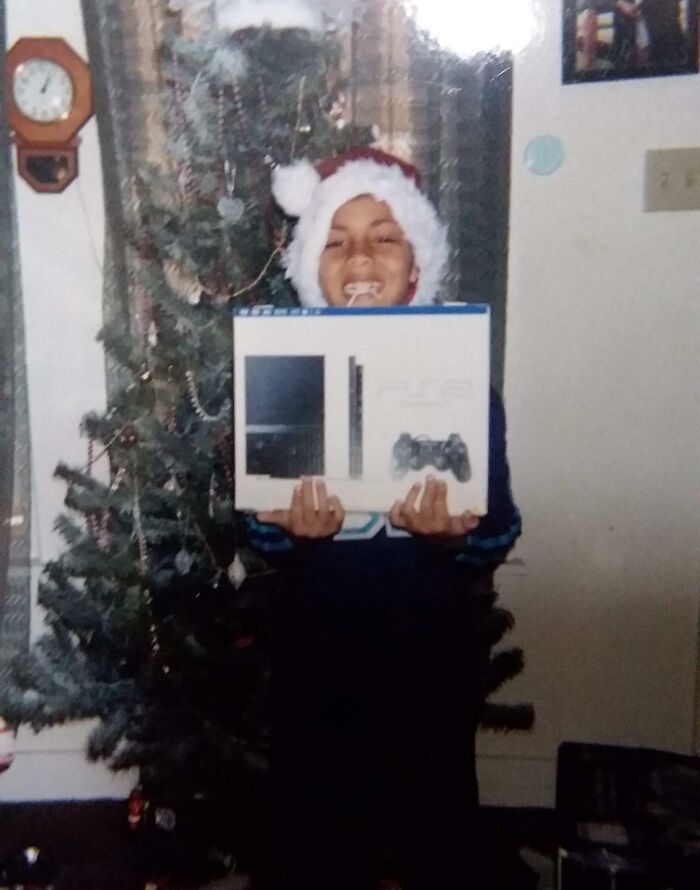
378, 667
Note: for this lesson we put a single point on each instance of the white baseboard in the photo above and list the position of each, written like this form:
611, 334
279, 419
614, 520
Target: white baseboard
61, 775
516, 781
52, 766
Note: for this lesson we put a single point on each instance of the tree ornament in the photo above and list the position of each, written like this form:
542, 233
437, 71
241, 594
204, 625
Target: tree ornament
28, 868
136, 807
237, 572
238, 15
128, 437
239, 105
7, 746
152, 335
165, 818
30, 698
338, 109
140, 537
230, 209
182, 282
196, 403
212, 496
183, 561
103, 536
118, 479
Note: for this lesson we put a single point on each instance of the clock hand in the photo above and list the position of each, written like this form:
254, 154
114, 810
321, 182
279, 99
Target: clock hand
48, 81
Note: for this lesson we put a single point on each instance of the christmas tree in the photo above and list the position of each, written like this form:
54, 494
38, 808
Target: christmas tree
153, 627
157, 612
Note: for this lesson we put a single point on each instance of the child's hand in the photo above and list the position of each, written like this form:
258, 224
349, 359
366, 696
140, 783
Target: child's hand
430, 516
312, 514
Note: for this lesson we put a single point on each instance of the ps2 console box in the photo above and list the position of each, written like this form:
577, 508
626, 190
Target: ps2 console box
372, 400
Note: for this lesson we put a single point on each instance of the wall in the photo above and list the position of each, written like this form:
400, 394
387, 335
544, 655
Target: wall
601, 387
61, 243
602, 371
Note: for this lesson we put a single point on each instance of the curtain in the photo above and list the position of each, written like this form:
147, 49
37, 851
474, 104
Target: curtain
123, 37
452, 117
15, 507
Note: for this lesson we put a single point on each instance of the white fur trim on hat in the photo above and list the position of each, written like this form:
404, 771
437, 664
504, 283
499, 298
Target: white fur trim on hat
236, 15
293, 186
316, 204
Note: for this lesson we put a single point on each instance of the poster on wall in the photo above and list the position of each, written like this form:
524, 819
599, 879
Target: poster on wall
614, 39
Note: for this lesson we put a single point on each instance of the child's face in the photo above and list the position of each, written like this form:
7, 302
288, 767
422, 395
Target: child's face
367, 260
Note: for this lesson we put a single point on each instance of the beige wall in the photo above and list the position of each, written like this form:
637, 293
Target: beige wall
61, 244
602, 372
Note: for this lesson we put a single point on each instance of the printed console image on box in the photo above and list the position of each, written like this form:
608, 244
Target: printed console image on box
284, 413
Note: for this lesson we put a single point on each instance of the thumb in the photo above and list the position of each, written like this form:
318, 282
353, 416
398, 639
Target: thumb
274, 517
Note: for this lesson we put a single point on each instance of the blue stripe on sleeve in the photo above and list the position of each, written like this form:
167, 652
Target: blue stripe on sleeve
265, 537
498, 541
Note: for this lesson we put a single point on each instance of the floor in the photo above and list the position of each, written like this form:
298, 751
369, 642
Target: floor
93, 848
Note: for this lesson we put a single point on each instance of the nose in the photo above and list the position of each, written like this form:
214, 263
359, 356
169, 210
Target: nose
359, 255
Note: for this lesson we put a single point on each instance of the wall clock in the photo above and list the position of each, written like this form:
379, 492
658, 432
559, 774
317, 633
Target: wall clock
50, 99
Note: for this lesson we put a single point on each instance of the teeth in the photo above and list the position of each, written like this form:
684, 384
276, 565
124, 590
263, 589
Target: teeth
355, 289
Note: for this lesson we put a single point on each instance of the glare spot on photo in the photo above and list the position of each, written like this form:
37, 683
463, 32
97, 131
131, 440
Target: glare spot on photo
477, 26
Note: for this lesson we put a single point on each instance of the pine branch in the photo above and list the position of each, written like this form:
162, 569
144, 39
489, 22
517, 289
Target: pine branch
507, 718
495, 625
502, 667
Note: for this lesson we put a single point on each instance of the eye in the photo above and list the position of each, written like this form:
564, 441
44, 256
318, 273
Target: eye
388, 234
334, 243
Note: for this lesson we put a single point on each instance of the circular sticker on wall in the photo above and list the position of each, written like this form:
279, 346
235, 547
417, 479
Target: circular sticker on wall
544, 155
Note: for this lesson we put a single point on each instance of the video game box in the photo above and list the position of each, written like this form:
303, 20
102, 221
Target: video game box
372, 400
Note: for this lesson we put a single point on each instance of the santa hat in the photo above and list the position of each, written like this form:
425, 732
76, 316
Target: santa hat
314, 193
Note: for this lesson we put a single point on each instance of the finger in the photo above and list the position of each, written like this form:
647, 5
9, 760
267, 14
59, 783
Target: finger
396, 516
322, 497
336, 513
296, 513
273, 517
468, 522
441, 515
409, 509
427, 502
308, 503
336, 507
409, 505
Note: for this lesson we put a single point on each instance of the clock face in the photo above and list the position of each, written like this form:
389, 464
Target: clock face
42, 90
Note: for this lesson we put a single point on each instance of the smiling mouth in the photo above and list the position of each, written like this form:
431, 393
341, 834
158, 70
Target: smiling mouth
361, 290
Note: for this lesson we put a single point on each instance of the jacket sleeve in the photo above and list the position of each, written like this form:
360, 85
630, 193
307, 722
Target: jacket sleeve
489, 544
274, 545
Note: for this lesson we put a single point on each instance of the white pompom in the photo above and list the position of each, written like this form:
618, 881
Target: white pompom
236, 15
293, 186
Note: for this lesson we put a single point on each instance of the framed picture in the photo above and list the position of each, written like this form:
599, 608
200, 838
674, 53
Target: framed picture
613, 39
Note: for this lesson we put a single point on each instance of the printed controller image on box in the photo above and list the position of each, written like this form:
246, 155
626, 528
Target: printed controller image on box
409, 452
371, 403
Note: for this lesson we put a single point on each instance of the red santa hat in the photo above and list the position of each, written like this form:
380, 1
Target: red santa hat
313, 193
